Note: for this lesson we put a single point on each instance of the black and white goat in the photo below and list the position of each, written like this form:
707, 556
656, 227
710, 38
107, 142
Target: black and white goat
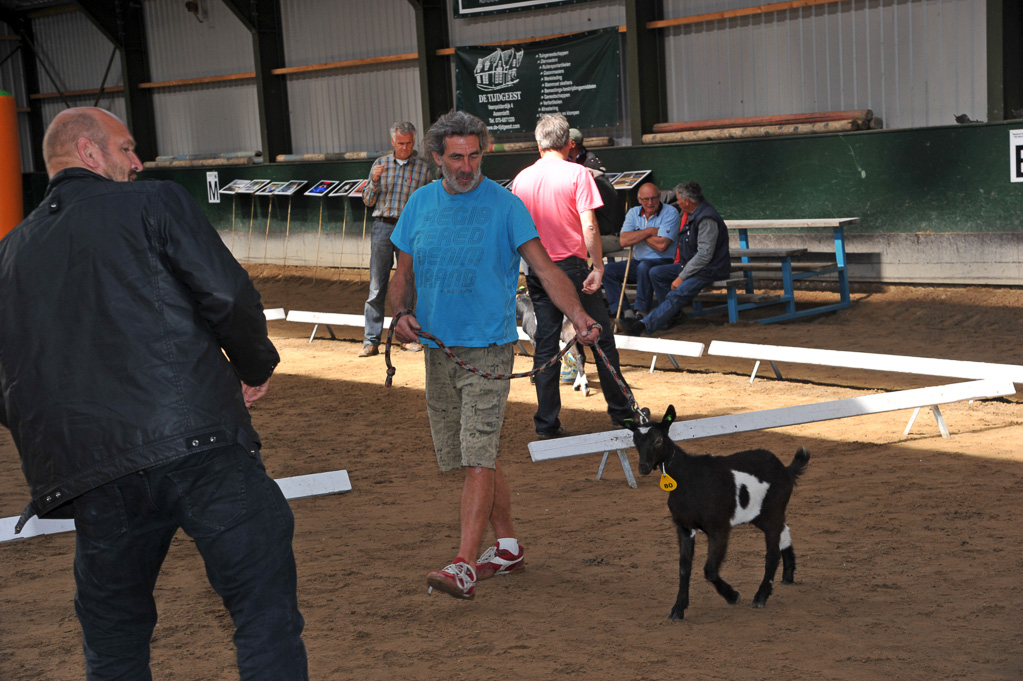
524, 310
714, 493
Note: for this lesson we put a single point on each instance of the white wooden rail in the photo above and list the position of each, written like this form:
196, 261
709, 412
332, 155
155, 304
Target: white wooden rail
296, 487
926, 366
651, 345
621, 440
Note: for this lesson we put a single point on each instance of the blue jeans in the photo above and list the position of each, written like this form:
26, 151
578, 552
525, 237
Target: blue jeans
548, 333
639, 274
382, 256
661, 278
672, 300
242, 526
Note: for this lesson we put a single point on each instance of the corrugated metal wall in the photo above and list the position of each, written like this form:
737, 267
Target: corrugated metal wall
913, 62
350, 109
180, 46
202, 118
73, 55
586, 16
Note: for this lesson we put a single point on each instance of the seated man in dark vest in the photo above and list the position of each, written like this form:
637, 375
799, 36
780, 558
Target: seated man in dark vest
701, 259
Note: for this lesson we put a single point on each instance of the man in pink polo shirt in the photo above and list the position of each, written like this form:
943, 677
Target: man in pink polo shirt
561, 197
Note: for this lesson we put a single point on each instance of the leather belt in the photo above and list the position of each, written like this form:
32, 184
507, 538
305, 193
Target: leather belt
390, 221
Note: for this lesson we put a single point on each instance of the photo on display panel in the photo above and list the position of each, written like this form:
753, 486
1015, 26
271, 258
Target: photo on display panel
233, 186
271, 188
360, 187
321, 188
291, 187
629, 179
346, 187
251, 186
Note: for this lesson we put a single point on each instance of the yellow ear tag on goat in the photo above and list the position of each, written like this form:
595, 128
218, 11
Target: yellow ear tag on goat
667, 482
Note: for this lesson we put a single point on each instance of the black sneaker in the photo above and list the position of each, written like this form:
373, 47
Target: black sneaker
631, 327
560, 432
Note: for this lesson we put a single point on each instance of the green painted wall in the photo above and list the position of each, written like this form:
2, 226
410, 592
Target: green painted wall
944, 179
947, 179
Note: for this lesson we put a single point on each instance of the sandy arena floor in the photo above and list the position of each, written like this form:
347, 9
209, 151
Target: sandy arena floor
909, 548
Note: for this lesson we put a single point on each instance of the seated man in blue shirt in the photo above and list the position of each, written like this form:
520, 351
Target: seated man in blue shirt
651, 230
703, 258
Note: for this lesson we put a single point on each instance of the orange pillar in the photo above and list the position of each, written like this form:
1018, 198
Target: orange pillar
12, 209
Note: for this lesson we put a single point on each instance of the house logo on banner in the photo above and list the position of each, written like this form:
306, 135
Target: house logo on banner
498, 70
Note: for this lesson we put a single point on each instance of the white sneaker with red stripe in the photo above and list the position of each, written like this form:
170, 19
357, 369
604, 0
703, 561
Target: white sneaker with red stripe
498, 561
457, 579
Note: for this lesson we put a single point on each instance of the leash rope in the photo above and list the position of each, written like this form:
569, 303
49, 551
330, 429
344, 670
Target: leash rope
391, 370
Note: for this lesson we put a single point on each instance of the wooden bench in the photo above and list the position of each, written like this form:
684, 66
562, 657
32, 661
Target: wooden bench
731, 299
818, 267
766, 252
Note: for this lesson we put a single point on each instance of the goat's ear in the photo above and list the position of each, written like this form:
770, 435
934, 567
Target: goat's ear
669, 415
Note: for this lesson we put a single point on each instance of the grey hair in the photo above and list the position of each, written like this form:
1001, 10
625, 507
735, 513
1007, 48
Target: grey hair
552, 132
689, 190
456, 124
405, 128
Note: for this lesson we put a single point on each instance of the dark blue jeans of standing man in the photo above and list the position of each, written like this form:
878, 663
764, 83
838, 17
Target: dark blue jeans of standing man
381, 259
242, 526
548, 333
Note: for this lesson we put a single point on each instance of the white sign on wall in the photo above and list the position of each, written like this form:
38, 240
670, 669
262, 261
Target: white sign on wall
213, 186
1016, 155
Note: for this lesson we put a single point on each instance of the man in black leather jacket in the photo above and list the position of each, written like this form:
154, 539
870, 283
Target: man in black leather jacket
131, 345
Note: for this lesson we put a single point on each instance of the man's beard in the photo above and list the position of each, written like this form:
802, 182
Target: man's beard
449, 178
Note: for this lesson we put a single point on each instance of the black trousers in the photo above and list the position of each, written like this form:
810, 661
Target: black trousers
548, 332
242, 526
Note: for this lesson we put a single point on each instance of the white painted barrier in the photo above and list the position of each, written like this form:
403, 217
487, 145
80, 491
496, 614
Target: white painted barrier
949, 368
652, 345
274, 314
619, 440
295, 487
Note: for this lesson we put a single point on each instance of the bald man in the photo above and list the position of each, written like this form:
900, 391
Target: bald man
651, 231
131, 346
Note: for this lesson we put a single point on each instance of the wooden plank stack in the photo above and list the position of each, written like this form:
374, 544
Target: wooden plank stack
763, 126
228, 158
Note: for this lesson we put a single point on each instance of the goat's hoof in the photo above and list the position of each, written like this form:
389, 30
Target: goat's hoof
677, 615
787, 580
732, 598
757, 603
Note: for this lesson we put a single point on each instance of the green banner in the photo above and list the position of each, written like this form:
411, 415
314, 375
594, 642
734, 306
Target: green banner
468, 8
510, 88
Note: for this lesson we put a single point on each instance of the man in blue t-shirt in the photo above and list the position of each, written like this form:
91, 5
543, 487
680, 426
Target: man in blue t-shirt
459, 241
651, 231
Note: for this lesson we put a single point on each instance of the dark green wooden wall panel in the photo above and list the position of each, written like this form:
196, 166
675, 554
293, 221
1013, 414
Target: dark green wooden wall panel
948, 179
944, 179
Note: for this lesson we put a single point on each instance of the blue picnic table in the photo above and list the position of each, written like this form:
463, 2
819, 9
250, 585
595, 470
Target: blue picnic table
753, 259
